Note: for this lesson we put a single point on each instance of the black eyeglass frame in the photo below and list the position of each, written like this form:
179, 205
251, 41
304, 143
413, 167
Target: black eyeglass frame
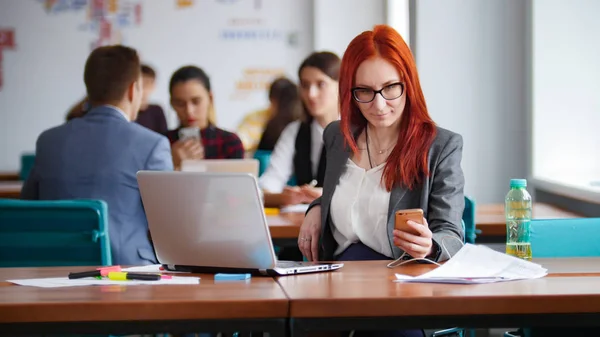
375, 92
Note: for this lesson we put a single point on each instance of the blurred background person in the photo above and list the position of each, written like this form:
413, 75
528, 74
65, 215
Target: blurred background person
299, 150
151, 116
192, 100
286, 107
282, 103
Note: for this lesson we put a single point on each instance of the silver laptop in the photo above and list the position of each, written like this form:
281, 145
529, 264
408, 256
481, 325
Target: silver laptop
213, 223
221, 165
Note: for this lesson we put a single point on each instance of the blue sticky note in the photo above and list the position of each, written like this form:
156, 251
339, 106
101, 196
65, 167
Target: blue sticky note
232, 277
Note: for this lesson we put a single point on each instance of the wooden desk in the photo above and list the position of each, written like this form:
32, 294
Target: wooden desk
10, 189
362, 296
9, 176
256, 305
490, 218
285, 226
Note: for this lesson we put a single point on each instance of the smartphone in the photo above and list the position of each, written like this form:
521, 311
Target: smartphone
403, 215
189, 133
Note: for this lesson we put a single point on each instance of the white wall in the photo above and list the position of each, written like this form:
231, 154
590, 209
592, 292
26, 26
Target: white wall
337, 22
566, 89
472, 59
43, 77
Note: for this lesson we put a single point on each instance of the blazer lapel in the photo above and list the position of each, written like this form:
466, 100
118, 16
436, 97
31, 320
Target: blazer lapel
395, 196
334, 169
335, 165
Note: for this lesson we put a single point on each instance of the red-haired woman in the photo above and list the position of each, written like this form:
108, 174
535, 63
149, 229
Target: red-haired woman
386, 154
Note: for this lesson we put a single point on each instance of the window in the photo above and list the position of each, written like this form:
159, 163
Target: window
566, 97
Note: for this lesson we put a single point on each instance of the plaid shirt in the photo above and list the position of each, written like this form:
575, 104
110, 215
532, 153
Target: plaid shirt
218, 143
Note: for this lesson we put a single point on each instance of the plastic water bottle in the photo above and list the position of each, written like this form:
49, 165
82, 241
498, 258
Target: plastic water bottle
518, 220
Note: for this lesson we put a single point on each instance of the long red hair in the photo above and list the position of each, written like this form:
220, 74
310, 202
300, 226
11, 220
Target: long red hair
407, 163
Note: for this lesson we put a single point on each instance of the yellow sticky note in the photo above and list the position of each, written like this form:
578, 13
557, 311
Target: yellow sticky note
271, 211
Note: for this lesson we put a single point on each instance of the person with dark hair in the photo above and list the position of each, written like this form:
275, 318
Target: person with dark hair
298, 151
78, 110
98, 155
286, 108
261, 129
151, 116
192, 100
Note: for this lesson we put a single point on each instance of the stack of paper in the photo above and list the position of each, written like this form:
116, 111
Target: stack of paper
479, 264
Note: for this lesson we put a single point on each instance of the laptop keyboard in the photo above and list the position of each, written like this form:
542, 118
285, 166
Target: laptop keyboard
289, 264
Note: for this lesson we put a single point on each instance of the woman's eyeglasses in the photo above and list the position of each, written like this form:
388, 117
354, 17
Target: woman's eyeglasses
389, 92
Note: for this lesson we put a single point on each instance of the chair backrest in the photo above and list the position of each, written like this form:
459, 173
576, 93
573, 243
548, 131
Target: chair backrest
469, 220
263, 157
26, 165
578, 237
54, 233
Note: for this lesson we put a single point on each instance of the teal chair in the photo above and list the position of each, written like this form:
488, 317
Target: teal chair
263, 157
469, 220
557, 238
561, 238
54, 233
27, 161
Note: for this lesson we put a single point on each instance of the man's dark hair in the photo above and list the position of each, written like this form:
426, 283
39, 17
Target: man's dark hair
108, 73
148, 71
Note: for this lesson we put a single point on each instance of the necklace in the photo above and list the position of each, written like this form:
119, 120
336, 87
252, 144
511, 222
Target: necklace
368, 150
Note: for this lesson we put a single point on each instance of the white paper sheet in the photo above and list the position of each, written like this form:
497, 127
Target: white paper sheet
300, 208
57, 282
479, 264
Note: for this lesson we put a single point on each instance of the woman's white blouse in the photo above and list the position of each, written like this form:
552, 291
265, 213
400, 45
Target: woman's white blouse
281, 165
359, 209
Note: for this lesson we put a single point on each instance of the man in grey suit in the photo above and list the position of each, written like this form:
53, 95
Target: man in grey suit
98, 155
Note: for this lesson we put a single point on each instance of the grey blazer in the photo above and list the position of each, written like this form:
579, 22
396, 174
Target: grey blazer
440, 195
97, 157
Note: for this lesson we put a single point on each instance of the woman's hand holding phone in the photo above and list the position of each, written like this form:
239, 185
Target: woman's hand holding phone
190, 148
412, 233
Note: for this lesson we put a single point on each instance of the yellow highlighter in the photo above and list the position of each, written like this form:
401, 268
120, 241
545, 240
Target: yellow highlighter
271, 211
122, 276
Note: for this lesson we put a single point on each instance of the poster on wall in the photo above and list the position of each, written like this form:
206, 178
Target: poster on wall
259, 30
106, 19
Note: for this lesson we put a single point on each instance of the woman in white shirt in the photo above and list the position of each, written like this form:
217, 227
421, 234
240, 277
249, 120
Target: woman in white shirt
299, 150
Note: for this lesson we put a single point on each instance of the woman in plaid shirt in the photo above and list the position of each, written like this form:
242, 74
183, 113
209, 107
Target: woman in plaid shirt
192, 99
